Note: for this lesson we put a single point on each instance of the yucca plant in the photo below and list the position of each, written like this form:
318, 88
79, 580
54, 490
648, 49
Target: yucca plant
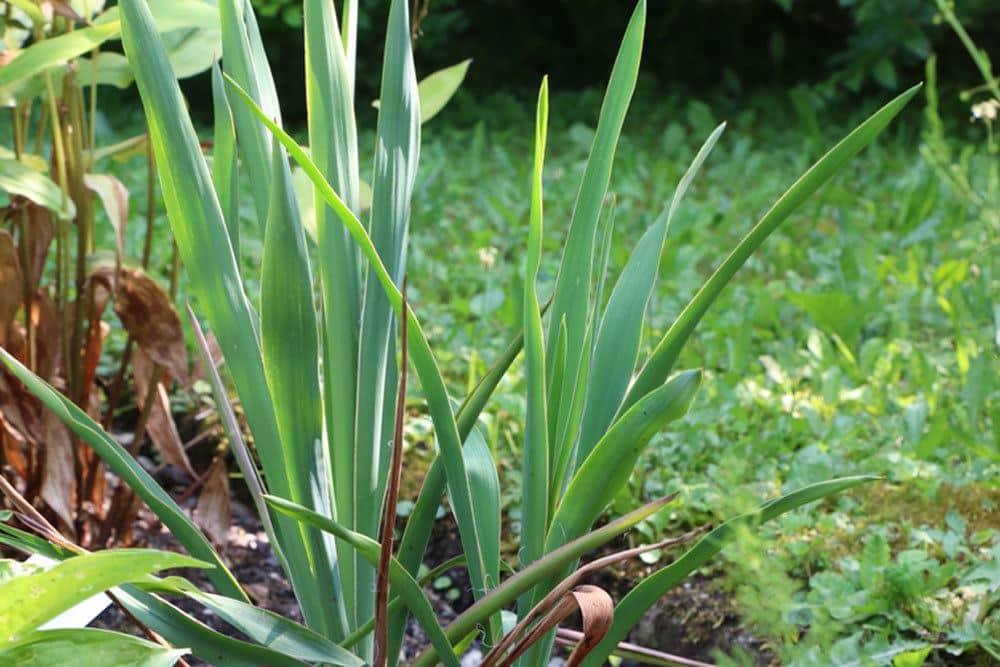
57, 278
319, 384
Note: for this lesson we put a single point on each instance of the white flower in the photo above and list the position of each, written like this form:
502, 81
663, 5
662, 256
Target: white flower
986, 111
488, 257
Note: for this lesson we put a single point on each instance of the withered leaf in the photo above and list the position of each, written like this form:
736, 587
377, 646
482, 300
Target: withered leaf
214, 511
63, 9
59, 478
160, 425
48, 335
114, 196
41, 231
149, 316
11, 283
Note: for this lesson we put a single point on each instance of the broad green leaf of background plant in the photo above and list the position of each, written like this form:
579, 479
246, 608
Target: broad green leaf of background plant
55, 51
88, 648
17, 178
30, 600
437, 89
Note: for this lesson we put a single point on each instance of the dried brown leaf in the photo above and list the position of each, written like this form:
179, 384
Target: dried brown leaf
59, 478
596, 608
20, 410
41, 231
61, 8
114, 196
160, 425
11, 283
147, 313
13, 449
214, 511
598, 612
48, 336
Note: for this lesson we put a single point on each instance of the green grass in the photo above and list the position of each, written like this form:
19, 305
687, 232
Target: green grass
862, 338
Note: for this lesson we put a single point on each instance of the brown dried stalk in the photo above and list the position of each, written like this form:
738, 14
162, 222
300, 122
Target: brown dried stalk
389, 507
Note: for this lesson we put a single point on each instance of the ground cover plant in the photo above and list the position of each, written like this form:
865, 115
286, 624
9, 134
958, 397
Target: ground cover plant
683, 441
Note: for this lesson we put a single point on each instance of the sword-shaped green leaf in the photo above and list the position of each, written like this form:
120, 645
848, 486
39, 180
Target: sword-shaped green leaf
665, 355
620, 329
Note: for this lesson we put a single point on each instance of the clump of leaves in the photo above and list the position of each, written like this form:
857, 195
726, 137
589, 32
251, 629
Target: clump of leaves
320, 385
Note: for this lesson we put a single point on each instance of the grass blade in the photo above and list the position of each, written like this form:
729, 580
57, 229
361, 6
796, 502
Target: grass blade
180, 629
225, 171
241, 453
535, 466
431, 381
544, 568
610, 465
203, 240
243, 55
267, 628
665, 355
396, 154
292, 374
333, 141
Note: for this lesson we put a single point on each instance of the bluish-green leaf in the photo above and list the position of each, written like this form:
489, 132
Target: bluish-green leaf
620, 329
662, 361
